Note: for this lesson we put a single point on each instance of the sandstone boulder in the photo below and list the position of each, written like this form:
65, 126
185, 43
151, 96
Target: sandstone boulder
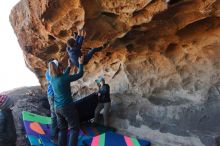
162, 63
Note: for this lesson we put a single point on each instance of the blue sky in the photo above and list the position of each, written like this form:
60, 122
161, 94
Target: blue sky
13, 72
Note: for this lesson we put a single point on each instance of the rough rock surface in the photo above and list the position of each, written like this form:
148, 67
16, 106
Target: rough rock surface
31, 99
163, 62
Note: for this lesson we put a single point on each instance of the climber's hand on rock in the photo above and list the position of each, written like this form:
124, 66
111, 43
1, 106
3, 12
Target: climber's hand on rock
81, 59
84, 33
79, 32
69, 63
74, 69
74, 35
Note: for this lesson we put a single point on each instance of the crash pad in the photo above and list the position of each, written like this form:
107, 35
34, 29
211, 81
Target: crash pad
115, 139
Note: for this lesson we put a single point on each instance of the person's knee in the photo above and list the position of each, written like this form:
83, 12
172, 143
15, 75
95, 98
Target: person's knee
105, 114
74, 131
74, 126
62, 129
62, 132
62, 126
74, 123
97, 112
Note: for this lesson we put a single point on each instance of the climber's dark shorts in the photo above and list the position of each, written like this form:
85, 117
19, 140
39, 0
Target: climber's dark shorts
68, 116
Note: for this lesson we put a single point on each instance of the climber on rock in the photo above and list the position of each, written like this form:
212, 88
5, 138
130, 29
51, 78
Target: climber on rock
67, 114
8, 135
74, 45
104, 100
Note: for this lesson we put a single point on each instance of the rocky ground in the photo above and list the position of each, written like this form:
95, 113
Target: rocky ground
31, 99
175, 124
168, 123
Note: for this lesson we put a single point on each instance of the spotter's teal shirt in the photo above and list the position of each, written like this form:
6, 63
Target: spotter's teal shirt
61, 87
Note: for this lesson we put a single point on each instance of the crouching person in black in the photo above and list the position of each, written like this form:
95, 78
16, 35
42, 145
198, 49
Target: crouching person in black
8, 135
104, 100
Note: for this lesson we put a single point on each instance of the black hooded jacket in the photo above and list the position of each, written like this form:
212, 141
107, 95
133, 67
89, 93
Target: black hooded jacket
104, 94
8, 135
